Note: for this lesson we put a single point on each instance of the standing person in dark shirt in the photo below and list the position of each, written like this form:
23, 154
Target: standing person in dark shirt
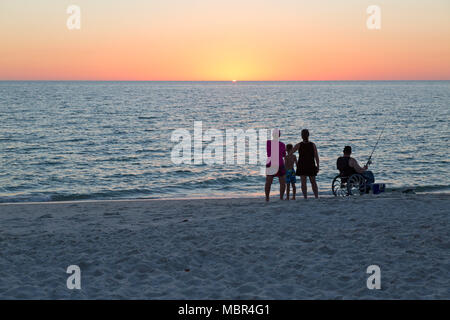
308, 163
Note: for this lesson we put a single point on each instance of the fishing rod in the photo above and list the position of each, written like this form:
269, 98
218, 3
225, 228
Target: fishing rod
379, 137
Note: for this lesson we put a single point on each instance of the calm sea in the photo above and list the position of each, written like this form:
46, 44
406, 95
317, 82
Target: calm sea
111, 140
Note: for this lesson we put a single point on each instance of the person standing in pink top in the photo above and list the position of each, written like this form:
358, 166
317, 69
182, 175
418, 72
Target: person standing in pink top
276, 151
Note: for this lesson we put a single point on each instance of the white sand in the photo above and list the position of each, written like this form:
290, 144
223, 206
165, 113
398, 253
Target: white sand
233, 248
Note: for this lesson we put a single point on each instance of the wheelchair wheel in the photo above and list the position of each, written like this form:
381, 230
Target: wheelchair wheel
356, 185
338, 187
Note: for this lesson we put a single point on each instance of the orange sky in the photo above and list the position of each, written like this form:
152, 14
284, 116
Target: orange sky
224, 40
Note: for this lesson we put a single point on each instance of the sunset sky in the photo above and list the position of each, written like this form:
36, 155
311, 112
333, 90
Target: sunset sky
224, 40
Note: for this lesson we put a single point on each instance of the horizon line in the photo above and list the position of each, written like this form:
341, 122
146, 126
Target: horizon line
235, 81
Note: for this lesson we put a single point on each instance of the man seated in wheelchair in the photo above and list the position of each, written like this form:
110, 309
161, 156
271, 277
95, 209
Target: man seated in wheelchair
348, 166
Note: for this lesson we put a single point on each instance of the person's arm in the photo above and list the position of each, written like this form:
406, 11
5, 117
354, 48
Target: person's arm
316, 157
354, 164
295, 148
296, 163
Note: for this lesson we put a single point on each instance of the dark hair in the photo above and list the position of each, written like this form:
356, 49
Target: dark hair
305, 134
289, 147
347, 150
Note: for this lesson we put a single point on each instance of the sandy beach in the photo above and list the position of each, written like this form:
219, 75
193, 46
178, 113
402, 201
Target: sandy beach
228, 248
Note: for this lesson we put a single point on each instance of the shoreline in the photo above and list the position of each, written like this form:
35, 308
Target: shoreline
273, 197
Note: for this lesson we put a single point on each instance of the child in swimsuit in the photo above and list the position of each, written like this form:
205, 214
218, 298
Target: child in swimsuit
289, 161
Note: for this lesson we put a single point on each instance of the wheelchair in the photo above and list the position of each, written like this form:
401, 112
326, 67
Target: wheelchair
344, 186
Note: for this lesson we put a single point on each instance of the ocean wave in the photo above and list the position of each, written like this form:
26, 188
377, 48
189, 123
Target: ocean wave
116, 194
172, 192
421, 189
147, 117
224, 181
101, 195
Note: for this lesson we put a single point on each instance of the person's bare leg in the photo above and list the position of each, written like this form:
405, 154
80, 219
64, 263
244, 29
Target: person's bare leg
288, 189
269, 180
304, 187
294, 191
282, 186
314, 186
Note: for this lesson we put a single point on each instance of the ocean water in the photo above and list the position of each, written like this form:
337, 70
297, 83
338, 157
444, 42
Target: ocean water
112, 140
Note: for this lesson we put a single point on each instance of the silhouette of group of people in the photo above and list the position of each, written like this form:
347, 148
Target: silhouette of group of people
307, 165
